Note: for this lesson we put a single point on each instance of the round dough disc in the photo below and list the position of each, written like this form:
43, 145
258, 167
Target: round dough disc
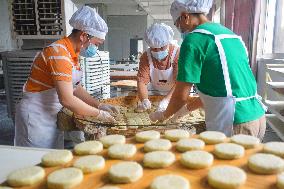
226, 177
64, 178
109, 187
145, 136
89, 164
265, 163
246, 141
276, 148
170, 181
125, 172
229, 151
197, 159
176, 134
26, 176
157, 145
121, 151
212, 137
56, 158
280, 181
158, 159
112, 139
189, 144
88, 148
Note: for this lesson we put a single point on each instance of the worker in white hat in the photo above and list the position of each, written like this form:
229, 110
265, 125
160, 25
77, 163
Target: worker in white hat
214, 59
157, 66
54, 82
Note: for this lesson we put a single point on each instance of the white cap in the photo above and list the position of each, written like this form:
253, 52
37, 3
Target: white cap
190, 6
159, 35
88, 20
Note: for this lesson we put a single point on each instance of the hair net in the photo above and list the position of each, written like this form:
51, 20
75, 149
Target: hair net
159, 35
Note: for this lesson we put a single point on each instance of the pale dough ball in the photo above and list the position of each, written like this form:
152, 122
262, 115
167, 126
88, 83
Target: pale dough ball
170, 181
246, 141
158, 159
26, 176
125, 172
197, 159
64, 178
280, 181
109, 187
276, 148
212, 137
157, 145
176, 134
229, 151
112, 139
5, 187
88, 148
265, 163
56, 158
89, 164
121, 151
145, 136
226, 177
189, 144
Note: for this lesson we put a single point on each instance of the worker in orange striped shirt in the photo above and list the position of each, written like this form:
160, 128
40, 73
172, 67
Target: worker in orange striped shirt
54, 82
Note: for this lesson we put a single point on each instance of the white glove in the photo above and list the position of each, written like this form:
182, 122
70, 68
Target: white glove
144, 105
109, 108
180, 113
157, 116
163, 105
105, 117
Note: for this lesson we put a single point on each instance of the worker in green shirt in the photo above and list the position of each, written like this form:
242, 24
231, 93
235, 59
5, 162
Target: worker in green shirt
215, 60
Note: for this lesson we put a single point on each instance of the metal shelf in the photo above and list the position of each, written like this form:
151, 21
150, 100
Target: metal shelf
276, 124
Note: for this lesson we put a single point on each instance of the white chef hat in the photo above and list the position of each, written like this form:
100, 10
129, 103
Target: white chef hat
190, 6
159, 35
88, 20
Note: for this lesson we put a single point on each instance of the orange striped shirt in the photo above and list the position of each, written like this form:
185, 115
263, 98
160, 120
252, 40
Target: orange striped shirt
52, 64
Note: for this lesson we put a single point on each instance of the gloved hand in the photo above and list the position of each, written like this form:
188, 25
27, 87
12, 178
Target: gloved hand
144, 105
157, 116
163, 105
109, 108
105, 117
180, 113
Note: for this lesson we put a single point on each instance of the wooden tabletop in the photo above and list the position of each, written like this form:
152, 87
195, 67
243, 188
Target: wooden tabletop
197, 178
123, 75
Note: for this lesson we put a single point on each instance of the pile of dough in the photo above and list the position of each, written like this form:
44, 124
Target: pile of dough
64, 178
157, 145
229, 151
226, 177
158, 159
280, 181
125, 172
109, 187
89, 164
56, 158
112, 139
184, 145
145, 136
121, 151
212, 137
176, 134
265, 163
276, 148
170, 181
246, 141
88, 148
196, 159
26, 176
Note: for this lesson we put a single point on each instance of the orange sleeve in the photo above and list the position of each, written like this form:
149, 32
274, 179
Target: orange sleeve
59, 63
143, 74
175, 64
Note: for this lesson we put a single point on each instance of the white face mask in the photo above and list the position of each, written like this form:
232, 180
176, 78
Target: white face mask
160, 55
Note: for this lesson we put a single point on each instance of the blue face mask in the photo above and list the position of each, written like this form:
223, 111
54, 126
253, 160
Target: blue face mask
89, 51
160, 55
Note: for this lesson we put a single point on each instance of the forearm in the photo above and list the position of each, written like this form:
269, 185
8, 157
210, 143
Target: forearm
169, 95
142, 91
194, 104
82, 94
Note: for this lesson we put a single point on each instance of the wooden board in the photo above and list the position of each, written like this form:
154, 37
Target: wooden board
197, 178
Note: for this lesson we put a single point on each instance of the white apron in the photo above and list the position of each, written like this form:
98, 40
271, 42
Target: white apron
161, 80
220, 111
36, 116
